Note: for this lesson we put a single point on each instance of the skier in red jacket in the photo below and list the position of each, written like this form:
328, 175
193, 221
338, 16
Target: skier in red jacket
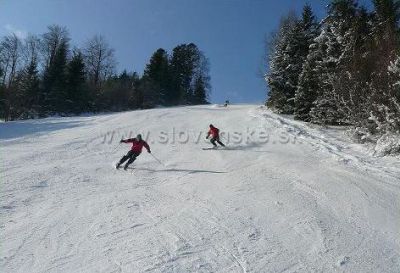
214, 133
137, 145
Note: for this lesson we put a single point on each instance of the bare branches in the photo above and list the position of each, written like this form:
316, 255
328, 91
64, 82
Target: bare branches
99, 60
10, 55
51, 41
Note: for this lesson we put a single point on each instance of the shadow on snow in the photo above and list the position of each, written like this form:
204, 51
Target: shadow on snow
189, 171
18, 129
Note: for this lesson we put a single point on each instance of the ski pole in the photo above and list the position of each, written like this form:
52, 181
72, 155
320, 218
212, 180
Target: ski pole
113, 151
224, 139
157, 159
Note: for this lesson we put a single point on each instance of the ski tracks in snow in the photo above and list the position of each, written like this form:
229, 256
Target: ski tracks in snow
314, 206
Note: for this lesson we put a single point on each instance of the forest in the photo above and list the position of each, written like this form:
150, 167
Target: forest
341, 70
44, 75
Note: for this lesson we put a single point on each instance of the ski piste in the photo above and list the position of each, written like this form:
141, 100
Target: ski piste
325, 205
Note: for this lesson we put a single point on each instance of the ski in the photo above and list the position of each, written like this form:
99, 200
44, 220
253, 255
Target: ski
212, 148
122, 169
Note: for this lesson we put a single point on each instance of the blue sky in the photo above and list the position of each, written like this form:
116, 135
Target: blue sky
231, 33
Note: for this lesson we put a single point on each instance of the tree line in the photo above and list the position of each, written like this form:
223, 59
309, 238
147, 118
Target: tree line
344, 70
44, 75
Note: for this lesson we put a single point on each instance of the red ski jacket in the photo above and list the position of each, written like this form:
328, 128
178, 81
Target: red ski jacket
137, 145
214, 132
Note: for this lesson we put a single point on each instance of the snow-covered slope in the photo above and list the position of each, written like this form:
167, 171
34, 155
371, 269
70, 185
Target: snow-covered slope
306, 200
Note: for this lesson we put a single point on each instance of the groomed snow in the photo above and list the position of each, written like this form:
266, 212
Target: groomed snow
306, 200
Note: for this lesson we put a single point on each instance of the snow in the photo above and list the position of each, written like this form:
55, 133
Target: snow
388, 144
306, 200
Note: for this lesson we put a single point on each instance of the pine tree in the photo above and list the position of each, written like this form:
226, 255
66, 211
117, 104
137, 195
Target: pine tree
4, 100
393, 98
29, 87
135, 100
125, 86
354, 70
291, 50
328, 107
199, 93
325, 108
77, 93
186, 61
386, 17
157, 74
3, 103
385, 93
1, 73
55, 46
54, 81
149, 91
307, 82
279, 62
201, 84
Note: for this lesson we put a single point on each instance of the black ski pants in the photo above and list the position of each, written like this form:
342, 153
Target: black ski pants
216, 139
131, 155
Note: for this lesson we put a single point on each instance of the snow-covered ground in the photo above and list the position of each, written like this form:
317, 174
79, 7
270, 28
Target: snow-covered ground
286, 197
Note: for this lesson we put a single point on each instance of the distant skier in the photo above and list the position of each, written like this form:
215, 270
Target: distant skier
226, 103
137, 145
214, 133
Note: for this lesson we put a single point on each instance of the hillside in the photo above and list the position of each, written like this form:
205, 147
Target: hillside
306, 200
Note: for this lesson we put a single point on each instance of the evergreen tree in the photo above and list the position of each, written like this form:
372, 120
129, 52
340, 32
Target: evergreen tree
307, 82
279, 62
385, 97
125, 92
77, 93
29, 86
354, 70
392, 105
1, 72
2, 95
156, 75
187, 63
181, 70
3, 103
201, 81
199, 93
54, 81
149, 90
328, 107
325, 107
386, 20
291, 51
86, 81
135, 100
345, 77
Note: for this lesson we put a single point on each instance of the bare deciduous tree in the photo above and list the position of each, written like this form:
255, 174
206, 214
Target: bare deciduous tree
51, 41
11, 48
31, 49
99, 60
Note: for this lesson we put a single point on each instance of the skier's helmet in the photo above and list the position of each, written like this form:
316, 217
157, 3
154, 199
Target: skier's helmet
211, 126
139, 137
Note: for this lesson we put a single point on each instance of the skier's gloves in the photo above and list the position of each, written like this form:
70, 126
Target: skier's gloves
149, 151
121, 141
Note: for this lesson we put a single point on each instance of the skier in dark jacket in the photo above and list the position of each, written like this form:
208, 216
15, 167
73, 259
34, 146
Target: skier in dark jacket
137, 145
214, 133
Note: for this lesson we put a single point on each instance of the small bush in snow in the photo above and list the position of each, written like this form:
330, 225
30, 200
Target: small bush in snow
388, 144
